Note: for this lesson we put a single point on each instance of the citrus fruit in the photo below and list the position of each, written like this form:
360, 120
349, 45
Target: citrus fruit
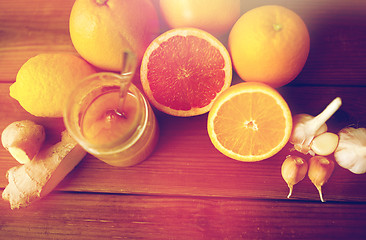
44, 82
214, 16
184, 70
101, 30
269, 44
249, 122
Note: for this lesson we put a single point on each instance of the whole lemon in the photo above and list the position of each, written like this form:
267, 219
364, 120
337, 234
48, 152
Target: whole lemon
101, 30
44, 82
269, 44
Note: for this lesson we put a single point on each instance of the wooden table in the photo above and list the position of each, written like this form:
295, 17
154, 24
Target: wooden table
187, 189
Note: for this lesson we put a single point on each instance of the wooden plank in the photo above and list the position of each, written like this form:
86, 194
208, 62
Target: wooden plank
337, 30
111, 216
186, 163
31, 27
187, 189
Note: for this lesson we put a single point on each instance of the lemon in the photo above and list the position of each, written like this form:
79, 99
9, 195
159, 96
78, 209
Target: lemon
44, 82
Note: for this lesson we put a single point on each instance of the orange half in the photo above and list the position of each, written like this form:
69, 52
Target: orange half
249, 122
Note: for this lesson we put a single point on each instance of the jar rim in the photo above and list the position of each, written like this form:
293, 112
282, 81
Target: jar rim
75, 103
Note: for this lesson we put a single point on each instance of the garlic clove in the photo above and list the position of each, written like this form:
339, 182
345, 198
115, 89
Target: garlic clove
325, 143
293, 170
320, 170
351, 151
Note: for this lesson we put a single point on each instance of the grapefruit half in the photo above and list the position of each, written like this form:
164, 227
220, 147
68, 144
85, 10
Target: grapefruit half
184, 70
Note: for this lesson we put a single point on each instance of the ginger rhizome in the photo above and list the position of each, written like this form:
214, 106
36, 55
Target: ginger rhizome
23, 139
38, 177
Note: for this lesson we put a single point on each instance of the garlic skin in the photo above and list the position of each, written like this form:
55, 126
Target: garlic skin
306, 127
293, 170
351, 151
320, 170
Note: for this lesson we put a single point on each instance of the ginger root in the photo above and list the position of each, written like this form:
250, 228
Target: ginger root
23, 139
40, 176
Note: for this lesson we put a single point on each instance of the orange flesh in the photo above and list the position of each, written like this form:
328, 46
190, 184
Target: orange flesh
192, 73
101, 125
251, 131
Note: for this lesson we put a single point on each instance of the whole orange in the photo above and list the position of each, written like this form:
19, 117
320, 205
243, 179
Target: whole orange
102, 29
269, 44
214, 16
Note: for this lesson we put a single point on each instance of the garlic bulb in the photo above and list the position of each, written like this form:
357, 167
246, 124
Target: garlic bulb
306, 127
302, 135
351, 150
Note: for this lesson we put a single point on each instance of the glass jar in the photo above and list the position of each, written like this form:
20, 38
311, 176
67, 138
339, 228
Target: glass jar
90, 117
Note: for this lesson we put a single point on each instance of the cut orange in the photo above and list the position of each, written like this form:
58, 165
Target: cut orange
249, 122
184, 70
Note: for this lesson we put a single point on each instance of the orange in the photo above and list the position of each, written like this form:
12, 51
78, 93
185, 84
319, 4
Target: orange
269, 44
184, 70
44, 82
249, 122
101, 30
214, 16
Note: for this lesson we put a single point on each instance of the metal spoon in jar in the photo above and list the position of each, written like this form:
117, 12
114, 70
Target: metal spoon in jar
129, 65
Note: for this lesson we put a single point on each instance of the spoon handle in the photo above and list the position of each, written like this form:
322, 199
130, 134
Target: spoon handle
129, 64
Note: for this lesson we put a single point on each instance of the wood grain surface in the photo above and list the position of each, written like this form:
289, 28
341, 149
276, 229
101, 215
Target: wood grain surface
187, 189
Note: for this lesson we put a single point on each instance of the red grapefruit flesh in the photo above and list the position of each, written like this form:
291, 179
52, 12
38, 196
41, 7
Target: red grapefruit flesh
184, 70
